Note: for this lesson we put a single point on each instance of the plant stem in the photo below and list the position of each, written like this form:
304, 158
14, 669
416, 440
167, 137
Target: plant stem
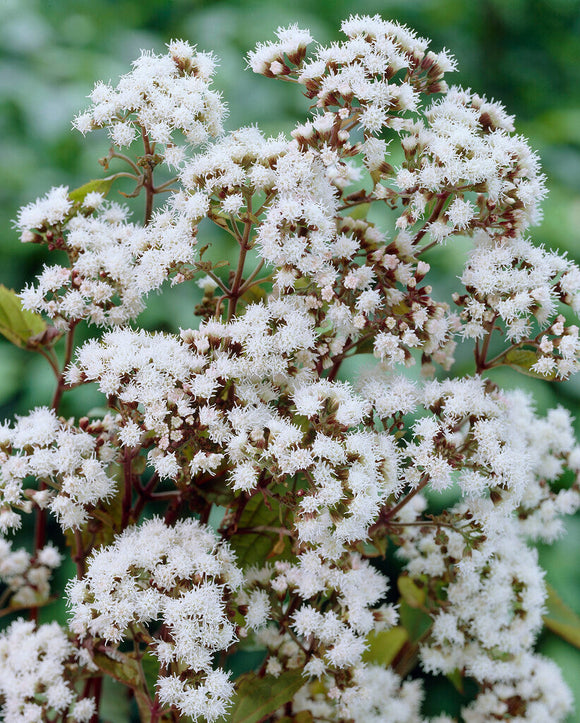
147, 179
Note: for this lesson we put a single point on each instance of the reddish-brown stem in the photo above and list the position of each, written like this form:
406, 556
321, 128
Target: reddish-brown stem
393, 510
61, 385
128, 456
480, 355
249, 281
235, 291
51, 361
337, 361
433, 217
156, 710
148, 179
79, 555
126, 159
387, 515
144, 495
97, 690
39, 540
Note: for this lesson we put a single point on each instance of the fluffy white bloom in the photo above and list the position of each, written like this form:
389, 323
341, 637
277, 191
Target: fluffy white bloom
49, 210
180, 574
27, 578
75, 461
115, 263
538, 688
35, 673
162, 93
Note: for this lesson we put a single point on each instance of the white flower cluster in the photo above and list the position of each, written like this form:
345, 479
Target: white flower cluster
517, 283
377, 696
501, 456
52, 209
73, 463
249, 411
270, 58
539, 695
113, 263
162, 94
551, 451
493, 612
463, 145
26, 576
374, 53
240, 162
35, 675
336, 636
179, 382
181, 575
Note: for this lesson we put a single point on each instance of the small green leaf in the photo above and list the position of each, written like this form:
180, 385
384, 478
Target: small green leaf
251, 548
384, 647
411, 593
359, 211
99, 185
150, 666
254, 294
121, 668
18, 325
416, 622
257, 698
305, 716
457, 680
561, 619
126, 671
522, 360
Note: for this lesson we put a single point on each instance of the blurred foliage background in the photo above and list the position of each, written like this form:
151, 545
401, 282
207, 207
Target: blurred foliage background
523, 52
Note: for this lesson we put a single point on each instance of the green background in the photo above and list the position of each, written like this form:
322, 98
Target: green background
523, 52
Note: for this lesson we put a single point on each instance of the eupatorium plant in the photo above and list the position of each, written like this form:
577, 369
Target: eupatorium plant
244, 492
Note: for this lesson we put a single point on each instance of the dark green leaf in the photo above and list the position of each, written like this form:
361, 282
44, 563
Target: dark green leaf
150, 666
126, 670
257, 698
252, 548
415, 622
457, 680
121, 668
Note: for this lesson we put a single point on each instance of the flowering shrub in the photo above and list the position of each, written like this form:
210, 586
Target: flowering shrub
241, 491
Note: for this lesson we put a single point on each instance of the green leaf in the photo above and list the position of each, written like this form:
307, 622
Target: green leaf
257, 698
254, 295
115, 704
121, 668
561, 619
359, 211
411, 593
522, 360
457, 681
150, 666
416, 622
384, 647
252, 548
17, 324
126, 670
99, 185
305, 716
